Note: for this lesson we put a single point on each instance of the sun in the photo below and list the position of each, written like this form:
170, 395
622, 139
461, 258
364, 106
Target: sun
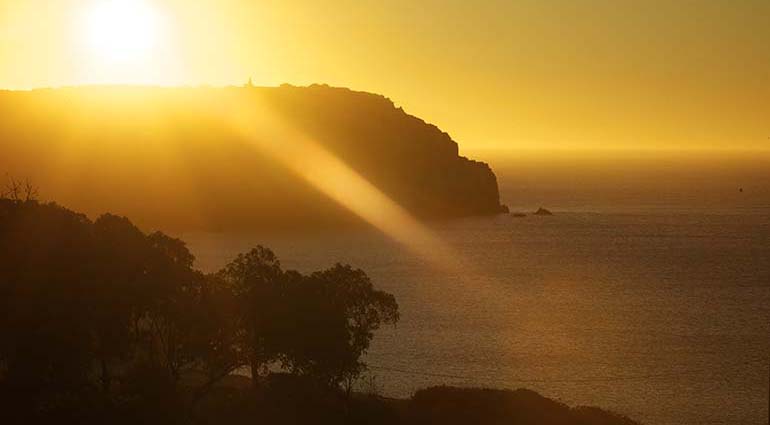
121, 30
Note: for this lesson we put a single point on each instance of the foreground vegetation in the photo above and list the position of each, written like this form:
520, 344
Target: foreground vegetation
103, 323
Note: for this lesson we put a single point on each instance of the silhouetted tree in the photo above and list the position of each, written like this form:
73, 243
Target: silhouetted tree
46, 328
256, 279
86, 304
100, 318
219, 340
334, 315
19, 191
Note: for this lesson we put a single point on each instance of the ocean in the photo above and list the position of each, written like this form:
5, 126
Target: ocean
658, 311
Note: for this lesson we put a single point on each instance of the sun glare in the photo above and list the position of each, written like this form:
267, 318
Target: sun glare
121, 30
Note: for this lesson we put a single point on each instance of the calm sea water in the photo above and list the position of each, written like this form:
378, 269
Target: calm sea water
661, 316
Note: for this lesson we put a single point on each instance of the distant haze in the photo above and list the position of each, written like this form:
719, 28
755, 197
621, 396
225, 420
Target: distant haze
632, 181
493, 73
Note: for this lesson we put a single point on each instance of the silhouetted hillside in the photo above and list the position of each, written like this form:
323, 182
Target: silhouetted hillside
297, 404
461, 406
172, 158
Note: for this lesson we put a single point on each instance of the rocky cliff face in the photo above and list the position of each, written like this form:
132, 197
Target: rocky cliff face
166, 157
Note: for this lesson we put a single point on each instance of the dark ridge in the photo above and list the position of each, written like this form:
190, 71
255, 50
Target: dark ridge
460, 406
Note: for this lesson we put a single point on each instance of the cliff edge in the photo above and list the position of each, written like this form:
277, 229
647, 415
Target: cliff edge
166, 157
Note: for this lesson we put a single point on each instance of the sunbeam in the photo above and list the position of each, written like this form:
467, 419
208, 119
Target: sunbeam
266, 131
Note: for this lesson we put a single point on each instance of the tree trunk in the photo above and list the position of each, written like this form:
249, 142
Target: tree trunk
105, 378
255, 364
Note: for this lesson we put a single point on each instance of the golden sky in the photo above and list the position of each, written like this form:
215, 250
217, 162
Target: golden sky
493, 73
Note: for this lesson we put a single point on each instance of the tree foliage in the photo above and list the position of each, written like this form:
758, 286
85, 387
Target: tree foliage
98, 313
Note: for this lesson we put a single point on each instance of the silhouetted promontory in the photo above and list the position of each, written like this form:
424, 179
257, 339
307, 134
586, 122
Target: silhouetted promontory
169, 157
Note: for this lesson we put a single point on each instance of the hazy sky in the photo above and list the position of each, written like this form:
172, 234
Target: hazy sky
493, 73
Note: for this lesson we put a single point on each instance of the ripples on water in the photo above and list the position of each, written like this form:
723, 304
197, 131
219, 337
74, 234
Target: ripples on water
664, 317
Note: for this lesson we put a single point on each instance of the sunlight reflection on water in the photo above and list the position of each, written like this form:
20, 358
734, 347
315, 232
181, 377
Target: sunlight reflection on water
654, 316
